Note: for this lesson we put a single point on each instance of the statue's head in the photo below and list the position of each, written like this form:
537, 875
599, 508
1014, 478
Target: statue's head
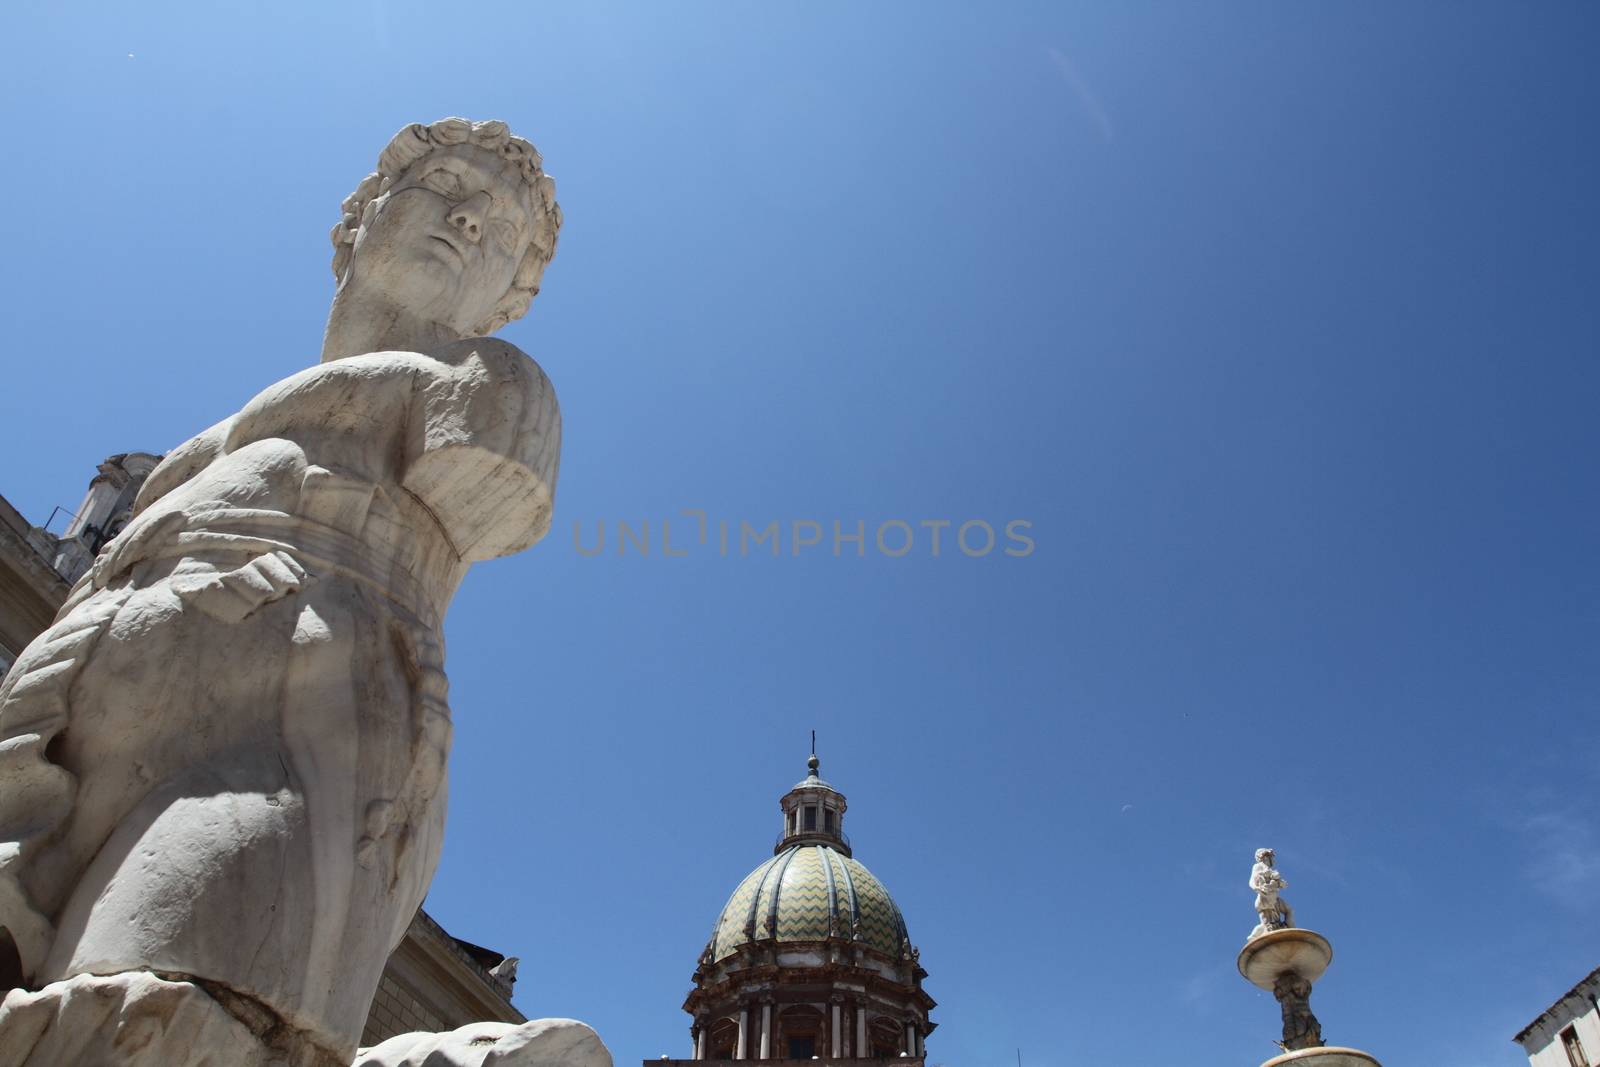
1265, 855
457, 225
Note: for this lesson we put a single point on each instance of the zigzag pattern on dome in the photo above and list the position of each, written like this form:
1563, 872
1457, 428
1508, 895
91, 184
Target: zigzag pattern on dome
793, 896
730, 932
881, 925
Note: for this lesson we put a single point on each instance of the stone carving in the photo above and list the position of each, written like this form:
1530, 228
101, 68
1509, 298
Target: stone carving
542, 1043
225, 761
1300, 1027
506, 971
136, 1020
1286, 960
1274, 912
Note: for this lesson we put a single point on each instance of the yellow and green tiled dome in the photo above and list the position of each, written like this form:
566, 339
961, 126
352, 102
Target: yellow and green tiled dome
809, 892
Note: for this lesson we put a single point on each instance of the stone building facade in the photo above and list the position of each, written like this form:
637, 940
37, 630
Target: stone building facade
810, 959
432, 981
31, 589
436, 982
1567, 1033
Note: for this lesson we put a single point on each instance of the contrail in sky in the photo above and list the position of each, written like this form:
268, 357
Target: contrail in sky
1080, 88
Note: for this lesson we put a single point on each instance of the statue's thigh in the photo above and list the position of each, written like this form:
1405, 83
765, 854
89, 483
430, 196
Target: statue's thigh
207, 876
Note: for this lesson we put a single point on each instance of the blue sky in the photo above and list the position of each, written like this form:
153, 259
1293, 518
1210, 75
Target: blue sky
1277, 322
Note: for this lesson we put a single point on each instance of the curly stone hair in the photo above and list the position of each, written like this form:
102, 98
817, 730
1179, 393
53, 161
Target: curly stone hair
417, 141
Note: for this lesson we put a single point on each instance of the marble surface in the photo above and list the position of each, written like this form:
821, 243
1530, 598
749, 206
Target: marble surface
539, 1043
1327, 1056
225, 760
1296, 951
1272, 911
139, 1020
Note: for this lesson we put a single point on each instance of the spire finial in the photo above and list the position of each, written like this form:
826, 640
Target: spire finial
813, 763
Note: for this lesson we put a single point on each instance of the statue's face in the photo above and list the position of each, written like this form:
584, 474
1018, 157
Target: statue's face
447, 239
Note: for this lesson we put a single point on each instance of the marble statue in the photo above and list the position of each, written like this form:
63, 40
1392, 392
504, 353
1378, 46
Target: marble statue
222, 768
1286, 960
1274, 912
541, 1043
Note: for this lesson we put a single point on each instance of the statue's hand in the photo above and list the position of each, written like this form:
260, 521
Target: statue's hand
233, 595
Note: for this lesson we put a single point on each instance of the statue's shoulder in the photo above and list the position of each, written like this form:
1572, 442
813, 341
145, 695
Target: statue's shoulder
469, 368
363, 373
501, 360
486, 446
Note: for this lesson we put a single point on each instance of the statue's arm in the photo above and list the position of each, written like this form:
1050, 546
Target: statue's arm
483, 447
183, 463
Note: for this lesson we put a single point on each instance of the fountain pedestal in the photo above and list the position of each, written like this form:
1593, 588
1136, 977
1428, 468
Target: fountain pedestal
1286, 961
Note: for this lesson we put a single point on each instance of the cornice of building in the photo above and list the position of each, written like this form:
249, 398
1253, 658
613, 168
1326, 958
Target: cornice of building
1576, 992
436, 950
18, 549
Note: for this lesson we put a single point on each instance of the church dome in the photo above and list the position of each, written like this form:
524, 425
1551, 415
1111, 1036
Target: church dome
809, 958
810, 891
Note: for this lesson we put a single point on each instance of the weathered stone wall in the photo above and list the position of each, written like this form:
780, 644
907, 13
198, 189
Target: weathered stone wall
431, 983
30, 590
398, 1009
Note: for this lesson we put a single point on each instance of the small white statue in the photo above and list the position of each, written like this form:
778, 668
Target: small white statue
1274, 911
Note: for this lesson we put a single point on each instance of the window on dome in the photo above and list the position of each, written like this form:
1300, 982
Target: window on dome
811, 817
827, 819
884, 1039
723, 1039
801, 1029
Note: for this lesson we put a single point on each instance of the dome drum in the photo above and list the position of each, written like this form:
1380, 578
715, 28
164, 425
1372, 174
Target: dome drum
805, 1022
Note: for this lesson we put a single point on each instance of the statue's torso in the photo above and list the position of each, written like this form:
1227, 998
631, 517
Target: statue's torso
267, 652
